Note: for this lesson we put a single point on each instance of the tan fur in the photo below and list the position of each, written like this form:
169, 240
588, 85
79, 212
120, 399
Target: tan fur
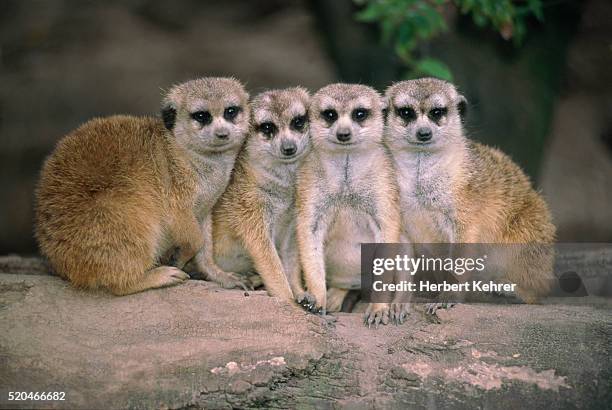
458, 191
347, 195
119, 193
254, 221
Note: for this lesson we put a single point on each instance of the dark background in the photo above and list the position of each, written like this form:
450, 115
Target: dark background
547, 103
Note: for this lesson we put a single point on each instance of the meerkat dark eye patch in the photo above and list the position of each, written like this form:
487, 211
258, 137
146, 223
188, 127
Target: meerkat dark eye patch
330, 116
203, 117
406, 113
268, 129
298, 123
360, 114
168, 117
462, 107
437, 113
231, 112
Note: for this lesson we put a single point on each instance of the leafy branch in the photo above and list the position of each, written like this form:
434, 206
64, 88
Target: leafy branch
407, 23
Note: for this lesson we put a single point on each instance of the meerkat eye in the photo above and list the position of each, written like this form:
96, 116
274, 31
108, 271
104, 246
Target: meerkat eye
297, 123
360, 114
268, 129
203, 117
330, 116
437, 113
406, 113
231, 112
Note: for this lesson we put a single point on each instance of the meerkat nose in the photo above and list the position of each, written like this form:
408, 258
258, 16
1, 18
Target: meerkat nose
288, 148
343, 135
423, 134
221, 134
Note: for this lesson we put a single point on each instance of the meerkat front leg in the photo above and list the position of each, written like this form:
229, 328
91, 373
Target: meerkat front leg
388, 218
400, 307
260, 246
187, 238
311, 230
205, 261
291, 263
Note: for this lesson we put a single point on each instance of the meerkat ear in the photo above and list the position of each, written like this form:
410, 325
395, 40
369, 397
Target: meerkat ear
462, 107
168, 114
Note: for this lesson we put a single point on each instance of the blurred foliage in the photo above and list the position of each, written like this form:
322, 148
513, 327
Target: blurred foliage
408, 23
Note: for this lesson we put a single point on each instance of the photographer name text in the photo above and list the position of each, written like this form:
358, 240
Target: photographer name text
426, 286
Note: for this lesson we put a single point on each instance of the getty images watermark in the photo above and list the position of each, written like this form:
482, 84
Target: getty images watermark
489, 273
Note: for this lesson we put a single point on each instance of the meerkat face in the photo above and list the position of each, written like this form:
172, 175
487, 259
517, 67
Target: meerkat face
208, 114
345, 116
280, 125
424, 114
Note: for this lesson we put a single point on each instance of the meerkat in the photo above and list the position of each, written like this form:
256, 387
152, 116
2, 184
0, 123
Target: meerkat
347, 195
254, 221
454, 190
119, 193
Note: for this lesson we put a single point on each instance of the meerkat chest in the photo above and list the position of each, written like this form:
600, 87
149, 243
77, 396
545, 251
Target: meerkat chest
427, 204
350, 201
213, 175
351, 181
282, 220
278, 193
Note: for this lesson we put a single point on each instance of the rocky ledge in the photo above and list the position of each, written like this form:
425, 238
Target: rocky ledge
198, 346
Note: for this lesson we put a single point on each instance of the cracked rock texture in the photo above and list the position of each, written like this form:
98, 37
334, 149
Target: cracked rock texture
197, 346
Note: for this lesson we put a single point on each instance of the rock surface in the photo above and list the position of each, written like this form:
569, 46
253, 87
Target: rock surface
197, 346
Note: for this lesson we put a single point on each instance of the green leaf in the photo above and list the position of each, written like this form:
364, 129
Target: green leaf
369, 14
388, 30
405, 32
536, 8
434, 68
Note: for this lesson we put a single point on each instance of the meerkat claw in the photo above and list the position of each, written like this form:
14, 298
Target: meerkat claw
432, 308
399, 313
307, 301
376, 318
228, 280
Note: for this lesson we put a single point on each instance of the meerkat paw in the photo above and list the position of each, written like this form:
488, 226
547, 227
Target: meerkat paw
228, 280
309, 302
335, 298
254, 280
159, 277
399, 312
167, 276
431, 310
376, 314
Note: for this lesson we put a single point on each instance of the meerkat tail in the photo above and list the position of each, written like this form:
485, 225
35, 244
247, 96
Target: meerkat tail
160, 277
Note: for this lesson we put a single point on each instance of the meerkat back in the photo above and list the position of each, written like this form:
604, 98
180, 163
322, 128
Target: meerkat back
100, 170
120, 193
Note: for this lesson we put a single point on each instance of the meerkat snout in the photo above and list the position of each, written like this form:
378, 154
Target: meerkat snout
288, 148
424, 114
215, 119
424, 134
344, 115
281, 125
343, 134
